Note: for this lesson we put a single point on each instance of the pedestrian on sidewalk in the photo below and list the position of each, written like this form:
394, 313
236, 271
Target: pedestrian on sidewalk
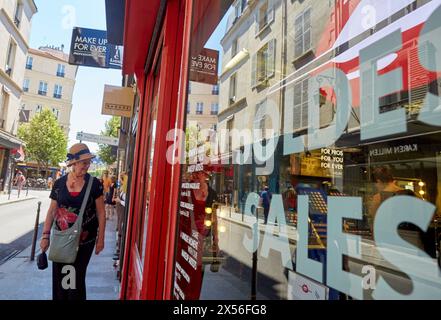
19, 181
266, 197
110, 199
67, 196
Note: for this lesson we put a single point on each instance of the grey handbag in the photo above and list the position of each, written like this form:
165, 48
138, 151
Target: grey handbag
64, 243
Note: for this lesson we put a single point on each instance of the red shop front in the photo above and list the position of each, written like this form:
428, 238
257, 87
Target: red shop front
156, 51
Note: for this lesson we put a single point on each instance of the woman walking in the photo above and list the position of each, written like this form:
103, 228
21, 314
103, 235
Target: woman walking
67, 197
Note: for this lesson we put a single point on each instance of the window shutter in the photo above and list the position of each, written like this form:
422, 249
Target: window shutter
270, 11
230, 20
271, 59
257, 16
253, 70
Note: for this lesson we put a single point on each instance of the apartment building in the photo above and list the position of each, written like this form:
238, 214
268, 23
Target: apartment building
49, 82
203, 106
15, 29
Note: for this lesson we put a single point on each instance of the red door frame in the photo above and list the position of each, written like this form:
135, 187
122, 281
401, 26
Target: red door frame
176, 168
152, 280
160, 217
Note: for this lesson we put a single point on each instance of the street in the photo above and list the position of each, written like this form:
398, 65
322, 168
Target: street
17, 221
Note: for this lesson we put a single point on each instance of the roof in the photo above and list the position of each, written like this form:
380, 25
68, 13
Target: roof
48, 55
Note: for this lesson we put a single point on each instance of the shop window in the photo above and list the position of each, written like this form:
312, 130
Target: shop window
302, 33
366, 180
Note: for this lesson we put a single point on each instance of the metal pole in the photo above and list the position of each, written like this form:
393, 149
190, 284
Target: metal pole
11, 180
34, 240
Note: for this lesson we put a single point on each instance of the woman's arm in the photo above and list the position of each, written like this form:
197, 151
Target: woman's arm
44, 243
101, 213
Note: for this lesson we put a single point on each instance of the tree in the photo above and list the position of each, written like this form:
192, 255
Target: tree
108, 153
45, 141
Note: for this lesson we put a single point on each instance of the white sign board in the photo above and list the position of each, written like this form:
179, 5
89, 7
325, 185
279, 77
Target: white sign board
302, 288
111, 141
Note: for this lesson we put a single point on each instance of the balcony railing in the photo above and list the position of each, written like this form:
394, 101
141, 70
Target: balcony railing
42, 93
25, 89
214, 113
29, 66
60, 74
199, 111
57, 96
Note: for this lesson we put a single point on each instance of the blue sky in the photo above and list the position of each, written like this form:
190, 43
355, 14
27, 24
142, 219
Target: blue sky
52, 25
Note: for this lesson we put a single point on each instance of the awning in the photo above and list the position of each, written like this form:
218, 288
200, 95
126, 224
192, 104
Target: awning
9, 141
140, 20
115, 10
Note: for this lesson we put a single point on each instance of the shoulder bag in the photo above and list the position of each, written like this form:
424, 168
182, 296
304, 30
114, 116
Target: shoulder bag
64, 243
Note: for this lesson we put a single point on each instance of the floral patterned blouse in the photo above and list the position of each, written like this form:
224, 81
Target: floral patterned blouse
69, 205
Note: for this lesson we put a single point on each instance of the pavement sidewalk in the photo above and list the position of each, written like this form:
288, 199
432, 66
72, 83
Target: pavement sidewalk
20, 278
14, 197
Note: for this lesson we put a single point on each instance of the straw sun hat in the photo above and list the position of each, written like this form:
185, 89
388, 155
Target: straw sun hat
78, 152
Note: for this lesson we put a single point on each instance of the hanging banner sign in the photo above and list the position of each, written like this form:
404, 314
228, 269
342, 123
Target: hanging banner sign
118, 101
89, 47
114, 56
204, 66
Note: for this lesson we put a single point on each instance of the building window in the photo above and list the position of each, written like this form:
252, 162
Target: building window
215, 90
234, 48
214, 109
302, 33
233, 86
10, 58
200, 108
61, 70
58, 91
56, 113
18, 14
39, 108
188, 107
260, 122
263, 63
300, 113
42, 88
26, 85
265, 16
189, 88
29, 62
